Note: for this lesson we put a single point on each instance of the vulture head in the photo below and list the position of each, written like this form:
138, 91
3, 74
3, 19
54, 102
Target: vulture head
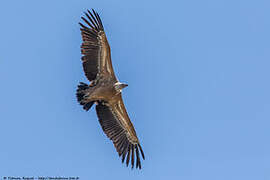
119, 86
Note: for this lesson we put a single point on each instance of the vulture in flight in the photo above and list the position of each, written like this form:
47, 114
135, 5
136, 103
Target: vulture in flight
105, 90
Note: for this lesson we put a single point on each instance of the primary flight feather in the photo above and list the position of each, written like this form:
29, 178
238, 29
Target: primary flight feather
105, 90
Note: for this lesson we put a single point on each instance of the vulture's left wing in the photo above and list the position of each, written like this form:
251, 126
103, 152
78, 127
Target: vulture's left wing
117, 126
95, 48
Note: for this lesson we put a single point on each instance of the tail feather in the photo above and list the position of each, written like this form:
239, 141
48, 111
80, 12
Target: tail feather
81, 91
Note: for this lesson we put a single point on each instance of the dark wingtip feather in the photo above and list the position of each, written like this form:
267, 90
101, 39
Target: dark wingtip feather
138, 161
124, 152
122, 145
130, 151
93, 20
95, 23
141, 151
128, 155
83, 26
98, 19
87, 22
123, 156
132, 156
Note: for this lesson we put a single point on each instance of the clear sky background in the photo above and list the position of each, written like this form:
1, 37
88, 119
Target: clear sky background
198, 94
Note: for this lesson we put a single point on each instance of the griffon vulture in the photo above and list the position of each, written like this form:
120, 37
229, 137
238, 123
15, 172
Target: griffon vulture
105, 90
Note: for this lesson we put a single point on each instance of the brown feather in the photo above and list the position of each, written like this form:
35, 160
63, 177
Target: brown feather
141, 151
132, 156
128, 155
119, 145
88, 23
92, 19
99, 20
124, 152
138, 162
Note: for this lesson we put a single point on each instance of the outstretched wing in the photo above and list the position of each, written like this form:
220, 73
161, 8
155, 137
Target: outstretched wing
95, 47
117, 126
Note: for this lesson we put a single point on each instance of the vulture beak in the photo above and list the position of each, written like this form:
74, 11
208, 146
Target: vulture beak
119, 86
124, 85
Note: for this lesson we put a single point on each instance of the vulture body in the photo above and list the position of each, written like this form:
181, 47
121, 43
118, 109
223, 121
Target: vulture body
105, 91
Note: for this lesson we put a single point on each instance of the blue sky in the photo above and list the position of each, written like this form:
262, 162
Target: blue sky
198, 94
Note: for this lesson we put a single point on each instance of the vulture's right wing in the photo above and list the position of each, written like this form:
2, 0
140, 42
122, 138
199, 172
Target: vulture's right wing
117, 126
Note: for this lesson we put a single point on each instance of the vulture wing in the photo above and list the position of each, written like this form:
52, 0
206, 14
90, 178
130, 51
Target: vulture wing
117, 126
95, 48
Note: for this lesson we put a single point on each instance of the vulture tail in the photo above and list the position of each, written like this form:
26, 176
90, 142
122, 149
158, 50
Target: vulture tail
81, 92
